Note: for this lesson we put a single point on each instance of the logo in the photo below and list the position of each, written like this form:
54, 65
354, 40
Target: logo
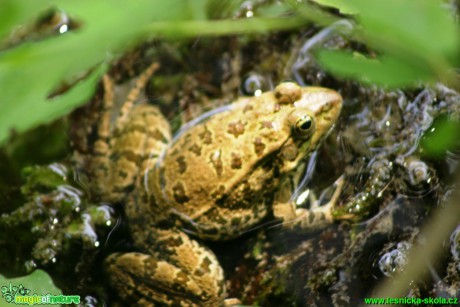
10, 292
21, 295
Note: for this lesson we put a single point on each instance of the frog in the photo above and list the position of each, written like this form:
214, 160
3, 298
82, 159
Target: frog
213, 181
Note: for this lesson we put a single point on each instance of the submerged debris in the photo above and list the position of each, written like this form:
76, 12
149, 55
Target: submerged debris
56, 229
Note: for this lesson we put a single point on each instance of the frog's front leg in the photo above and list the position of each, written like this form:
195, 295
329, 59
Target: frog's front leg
315, 217
176, 271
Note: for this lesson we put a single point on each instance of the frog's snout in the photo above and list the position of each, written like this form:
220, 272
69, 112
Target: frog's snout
332, 104
321, 102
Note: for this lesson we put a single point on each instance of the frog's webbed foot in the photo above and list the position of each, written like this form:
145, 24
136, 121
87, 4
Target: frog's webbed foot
315, 217
178, 272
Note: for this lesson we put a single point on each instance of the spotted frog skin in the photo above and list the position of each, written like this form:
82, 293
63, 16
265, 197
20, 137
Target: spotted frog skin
213, 182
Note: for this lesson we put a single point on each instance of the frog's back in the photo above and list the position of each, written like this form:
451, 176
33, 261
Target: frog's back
214, 157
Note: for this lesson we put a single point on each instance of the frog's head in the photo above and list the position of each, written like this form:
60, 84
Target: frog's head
313, 113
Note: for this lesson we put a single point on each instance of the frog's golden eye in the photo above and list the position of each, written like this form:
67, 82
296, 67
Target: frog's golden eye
304, 126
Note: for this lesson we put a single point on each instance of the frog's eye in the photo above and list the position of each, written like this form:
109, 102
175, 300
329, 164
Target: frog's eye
304, 126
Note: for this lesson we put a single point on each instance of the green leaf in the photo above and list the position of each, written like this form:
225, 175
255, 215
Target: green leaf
38, 282
415, 37
222, 27
419, 26
32, 70
33, 111
387, 71
342, 5
29, 72
14, 13
442, 136
276, 9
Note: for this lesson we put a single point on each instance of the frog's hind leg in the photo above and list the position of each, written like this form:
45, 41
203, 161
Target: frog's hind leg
135, 149
134, 94
178, 271
121, 152
97, 163
316, 217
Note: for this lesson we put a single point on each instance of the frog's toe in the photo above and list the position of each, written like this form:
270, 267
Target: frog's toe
316, 217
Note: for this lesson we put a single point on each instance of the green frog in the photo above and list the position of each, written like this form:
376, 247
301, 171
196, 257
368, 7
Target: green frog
214, 181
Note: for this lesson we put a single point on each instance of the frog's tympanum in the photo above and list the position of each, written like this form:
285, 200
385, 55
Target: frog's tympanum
213, 182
